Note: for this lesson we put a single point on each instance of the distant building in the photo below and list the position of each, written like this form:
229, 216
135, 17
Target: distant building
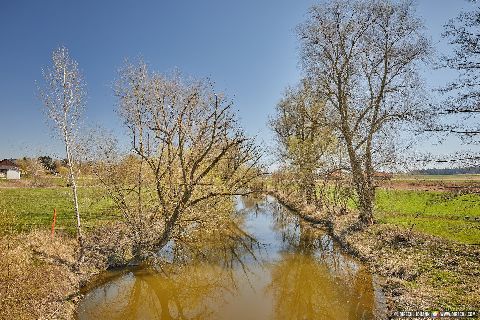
378, 175
9, 170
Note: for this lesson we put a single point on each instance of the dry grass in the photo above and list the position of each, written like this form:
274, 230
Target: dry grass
421, 271
36, 276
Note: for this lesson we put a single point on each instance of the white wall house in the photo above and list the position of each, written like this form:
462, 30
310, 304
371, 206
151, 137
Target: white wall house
9, 170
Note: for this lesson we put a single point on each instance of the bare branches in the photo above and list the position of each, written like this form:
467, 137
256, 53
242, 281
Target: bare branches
63, 96
63, 93
186, 148
362, 57
463, 94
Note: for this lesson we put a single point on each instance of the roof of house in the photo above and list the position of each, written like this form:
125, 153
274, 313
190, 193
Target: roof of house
6, 164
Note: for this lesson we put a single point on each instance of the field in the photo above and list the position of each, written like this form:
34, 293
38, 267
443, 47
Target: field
438, 177
446, 206
29, 208
443, 206
451, 216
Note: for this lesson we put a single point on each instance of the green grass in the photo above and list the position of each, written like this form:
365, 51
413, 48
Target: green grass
33, 207
437, 213
428, 203
451, 216
455, 230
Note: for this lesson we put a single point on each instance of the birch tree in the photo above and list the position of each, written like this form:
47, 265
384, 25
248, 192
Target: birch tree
63, 94
363, 57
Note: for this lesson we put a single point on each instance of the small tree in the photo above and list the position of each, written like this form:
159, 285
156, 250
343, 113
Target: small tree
63, 95
48, 163
304, 138
363, 56
31, 168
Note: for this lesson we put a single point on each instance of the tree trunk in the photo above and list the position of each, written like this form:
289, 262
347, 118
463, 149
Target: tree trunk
366, 205
308, 192
75, 198
366, 214
363, 188
167, 232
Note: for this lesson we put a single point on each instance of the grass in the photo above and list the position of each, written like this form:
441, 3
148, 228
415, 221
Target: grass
455, 230
428, 203
447, 215
450, 216
33, 207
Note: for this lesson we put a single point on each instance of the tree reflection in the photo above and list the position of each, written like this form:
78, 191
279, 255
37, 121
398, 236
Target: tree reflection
222, 275
200, 279
313, 280
251, 202
304, 289
185, 294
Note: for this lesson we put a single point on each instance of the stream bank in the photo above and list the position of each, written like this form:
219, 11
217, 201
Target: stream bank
419, 271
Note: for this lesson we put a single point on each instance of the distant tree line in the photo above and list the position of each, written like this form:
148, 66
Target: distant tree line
447, 171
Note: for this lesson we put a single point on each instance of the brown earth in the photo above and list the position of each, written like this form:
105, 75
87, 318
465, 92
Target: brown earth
472, 186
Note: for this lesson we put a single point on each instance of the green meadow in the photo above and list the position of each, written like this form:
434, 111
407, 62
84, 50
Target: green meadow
29, 208
451, 216
448, 215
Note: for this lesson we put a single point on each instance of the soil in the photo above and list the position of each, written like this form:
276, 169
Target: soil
471, 186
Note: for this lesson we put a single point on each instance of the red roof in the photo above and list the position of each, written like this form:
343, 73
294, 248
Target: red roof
8, 164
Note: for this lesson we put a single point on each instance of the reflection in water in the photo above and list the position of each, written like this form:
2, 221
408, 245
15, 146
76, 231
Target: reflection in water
305, 289
147, 294
291, 271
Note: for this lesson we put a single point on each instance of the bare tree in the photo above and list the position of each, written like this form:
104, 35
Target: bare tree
463, 34
63, 95
363, 57
32, 168
188, 155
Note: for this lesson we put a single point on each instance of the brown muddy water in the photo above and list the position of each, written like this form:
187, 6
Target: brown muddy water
287, 270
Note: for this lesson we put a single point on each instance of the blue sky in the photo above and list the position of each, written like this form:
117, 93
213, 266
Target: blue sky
248, 48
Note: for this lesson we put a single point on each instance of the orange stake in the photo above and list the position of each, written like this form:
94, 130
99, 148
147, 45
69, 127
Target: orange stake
54, 220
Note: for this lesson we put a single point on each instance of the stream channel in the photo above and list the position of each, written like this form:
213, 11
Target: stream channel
283, 268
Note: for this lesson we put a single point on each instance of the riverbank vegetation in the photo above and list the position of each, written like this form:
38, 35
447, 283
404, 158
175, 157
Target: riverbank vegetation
360, 90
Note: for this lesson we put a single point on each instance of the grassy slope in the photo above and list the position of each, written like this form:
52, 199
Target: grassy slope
34, 206
436, 213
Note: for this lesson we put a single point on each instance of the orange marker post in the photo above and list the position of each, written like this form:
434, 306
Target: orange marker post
54, 220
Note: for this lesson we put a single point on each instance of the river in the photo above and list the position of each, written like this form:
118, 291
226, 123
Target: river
287, 269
